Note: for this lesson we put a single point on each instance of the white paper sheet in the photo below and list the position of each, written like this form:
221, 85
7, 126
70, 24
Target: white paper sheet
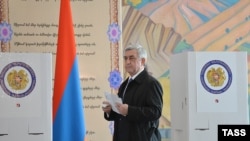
113, 99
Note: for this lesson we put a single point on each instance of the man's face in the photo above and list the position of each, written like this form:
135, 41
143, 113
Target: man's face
132, 62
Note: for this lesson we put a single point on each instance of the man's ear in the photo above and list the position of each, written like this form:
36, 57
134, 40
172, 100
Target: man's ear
143, 61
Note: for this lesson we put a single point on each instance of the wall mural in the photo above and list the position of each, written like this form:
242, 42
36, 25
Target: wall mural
168, 27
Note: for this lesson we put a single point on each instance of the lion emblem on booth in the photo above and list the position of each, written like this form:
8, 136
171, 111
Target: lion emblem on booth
18, 80
216, 77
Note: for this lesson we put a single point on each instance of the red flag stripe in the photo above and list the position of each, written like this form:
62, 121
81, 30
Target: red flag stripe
65, 55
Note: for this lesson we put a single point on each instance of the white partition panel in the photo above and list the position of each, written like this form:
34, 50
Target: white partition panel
207, 89
26, 96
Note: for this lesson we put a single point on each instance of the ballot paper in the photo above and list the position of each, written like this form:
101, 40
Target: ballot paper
113, 99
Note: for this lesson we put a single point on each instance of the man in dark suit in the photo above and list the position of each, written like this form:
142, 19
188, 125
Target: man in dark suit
141, 93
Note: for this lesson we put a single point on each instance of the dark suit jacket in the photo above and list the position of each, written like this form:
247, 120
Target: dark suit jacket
144, 97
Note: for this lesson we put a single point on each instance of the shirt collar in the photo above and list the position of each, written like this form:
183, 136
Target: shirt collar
136, 74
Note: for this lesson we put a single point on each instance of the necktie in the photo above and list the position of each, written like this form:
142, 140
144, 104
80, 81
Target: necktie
130, 79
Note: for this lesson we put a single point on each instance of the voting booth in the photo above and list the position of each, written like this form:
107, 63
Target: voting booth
207, 89
25, 97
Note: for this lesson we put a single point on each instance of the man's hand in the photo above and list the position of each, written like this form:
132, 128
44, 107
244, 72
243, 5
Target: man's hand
106, 107
122, 108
